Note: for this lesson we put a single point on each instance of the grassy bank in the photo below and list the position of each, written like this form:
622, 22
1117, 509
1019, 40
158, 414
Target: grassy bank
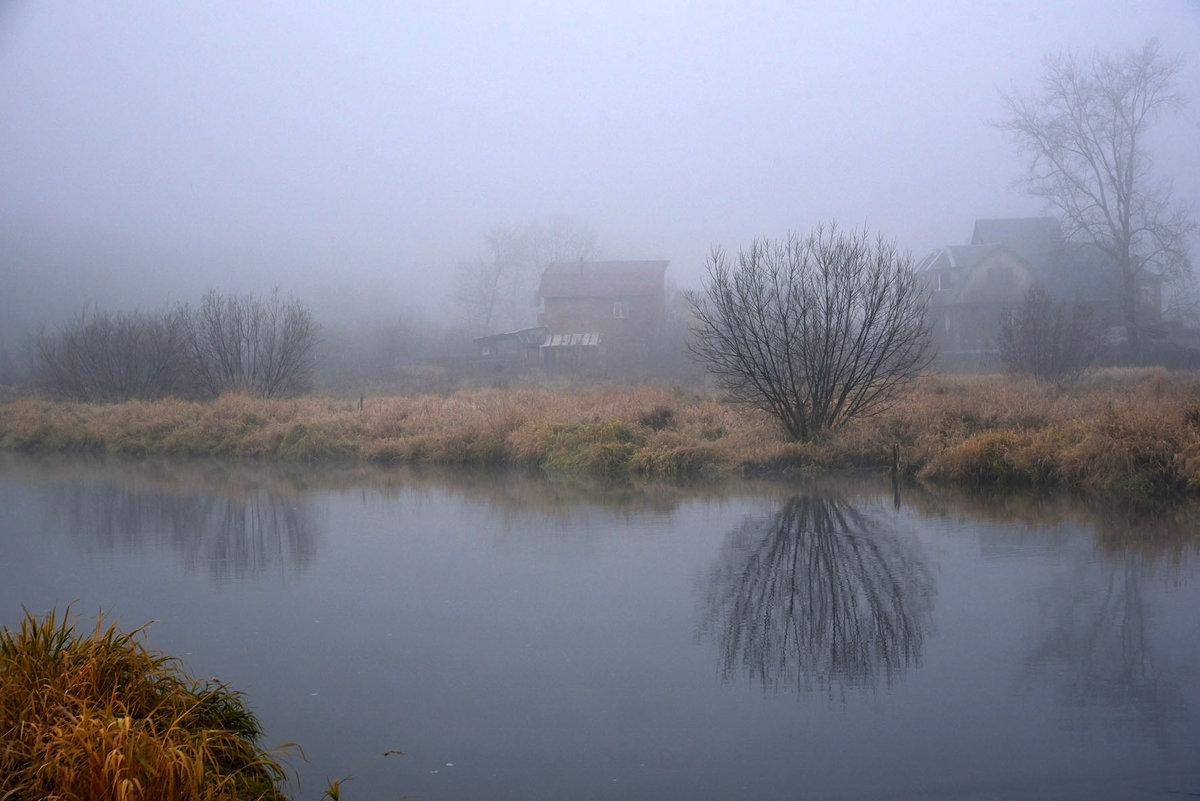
1127, 432
98, 716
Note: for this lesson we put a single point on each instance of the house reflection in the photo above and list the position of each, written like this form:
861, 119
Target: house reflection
818, 595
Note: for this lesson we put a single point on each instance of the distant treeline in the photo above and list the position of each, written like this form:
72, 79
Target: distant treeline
229, 343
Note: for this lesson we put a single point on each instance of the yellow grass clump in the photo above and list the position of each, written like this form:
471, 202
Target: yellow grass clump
98, 716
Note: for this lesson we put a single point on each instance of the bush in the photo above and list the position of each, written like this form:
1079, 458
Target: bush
1047, 339
106, 358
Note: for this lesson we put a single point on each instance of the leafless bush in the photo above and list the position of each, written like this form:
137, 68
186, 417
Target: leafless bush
109, 357
240, 343
814, 331
1048, 339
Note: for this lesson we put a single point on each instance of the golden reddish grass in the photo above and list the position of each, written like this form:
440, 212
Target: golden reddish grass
1124, 430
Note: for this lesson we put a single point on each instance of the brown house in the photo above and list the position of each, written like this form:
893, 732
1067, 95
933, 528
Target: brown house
600, 312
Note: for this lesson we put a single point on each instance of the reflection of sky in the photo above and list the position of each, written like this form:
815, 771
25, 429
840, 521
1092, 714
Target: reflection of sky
561, 658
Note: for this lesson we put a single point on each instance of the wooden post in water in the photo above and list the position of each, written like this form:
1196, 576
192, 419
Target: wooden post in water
895, 471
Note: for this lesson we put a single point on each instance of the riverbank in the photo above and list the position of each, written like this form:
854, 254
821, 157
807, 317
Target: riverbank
1131, 433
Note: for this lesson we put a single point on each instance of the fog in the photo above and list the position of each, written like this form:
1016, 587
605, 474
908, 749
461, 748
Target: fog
353, 153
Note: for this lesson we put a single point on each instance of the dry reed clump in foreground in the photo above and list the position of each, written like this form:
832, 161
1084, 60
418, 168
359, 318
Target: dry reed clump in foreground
95, 717
1126, 431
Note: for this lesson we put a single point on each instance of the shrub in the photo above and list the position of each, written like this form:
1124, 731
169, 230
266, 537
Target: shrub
1048, 339
657, 418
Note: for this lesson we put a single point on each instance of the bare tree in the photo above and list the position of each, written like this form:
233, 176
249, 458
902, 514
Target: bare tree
496, 290
240, 343
1085, 138
1048, 339
104, 357
814, 331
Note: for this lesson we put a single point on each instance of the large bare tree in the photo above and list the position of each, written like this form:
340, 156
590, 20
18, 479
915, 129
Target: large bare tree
1085, 136
815, 330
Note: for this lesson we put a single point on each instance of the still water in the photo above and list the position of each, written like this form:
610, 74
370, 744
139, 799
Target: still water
521, 639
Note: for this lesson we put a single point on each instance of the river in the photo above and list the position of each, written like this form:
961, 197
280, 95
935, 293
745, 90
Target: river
519, 638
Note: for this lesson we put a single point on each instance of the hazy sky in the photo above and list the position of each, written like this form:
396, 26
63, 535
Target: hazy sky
369, 145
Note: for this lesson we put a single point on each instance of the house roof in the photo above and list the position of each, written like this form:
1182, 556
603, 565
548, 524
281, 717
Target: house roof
602, 279
526, 336
962, 257
1037, 240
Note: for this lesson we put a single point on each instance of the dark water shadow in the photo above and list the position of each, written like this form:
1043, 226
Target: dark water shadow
818, 595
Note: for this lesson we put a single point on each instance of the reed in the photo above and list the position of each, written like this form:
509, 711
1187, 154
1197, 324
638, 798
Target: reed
92, 717
1125, 431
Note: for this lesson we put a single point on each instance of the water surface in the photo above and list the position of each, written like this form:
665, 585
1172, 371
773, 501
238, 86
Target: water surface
521, 639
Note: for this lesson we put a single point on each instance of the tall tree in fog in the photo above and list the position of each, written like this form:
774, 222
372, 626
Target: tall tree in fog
813, 331
496, 291
1085, 136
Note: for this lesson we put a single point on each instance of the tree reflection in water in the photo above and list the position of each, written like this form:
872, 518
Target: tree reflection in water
233, 535
1095, 636
818, 594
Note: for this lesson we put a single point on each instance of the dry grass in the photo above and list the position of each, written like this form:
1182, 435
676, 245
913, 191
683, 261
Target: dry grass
1119, 431
97, 717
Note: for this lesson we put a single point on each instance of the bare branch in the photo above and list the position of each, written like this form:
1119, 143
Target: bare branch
1083, 136
813, 331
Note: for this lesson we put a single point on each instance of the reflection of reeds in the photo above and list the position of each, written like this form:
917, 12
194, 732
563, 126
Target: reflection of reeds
101, 717
1167, 529
1129, 432
817, 594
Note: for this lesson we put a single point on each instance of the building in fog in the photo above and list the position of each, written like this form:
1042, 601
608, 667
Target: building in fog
971, 285
601, 312
592, 316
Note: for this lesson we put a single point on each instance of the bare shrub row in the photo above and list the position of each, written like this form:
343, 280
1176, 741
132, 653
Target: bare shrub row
229, 343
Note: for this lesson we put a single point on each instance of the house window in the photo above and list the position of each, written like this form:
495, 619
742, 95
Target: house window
620, 310
945, 281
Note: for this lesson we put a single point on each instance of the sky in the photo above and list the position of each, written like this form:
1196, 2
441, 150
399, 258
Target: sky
150, 151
